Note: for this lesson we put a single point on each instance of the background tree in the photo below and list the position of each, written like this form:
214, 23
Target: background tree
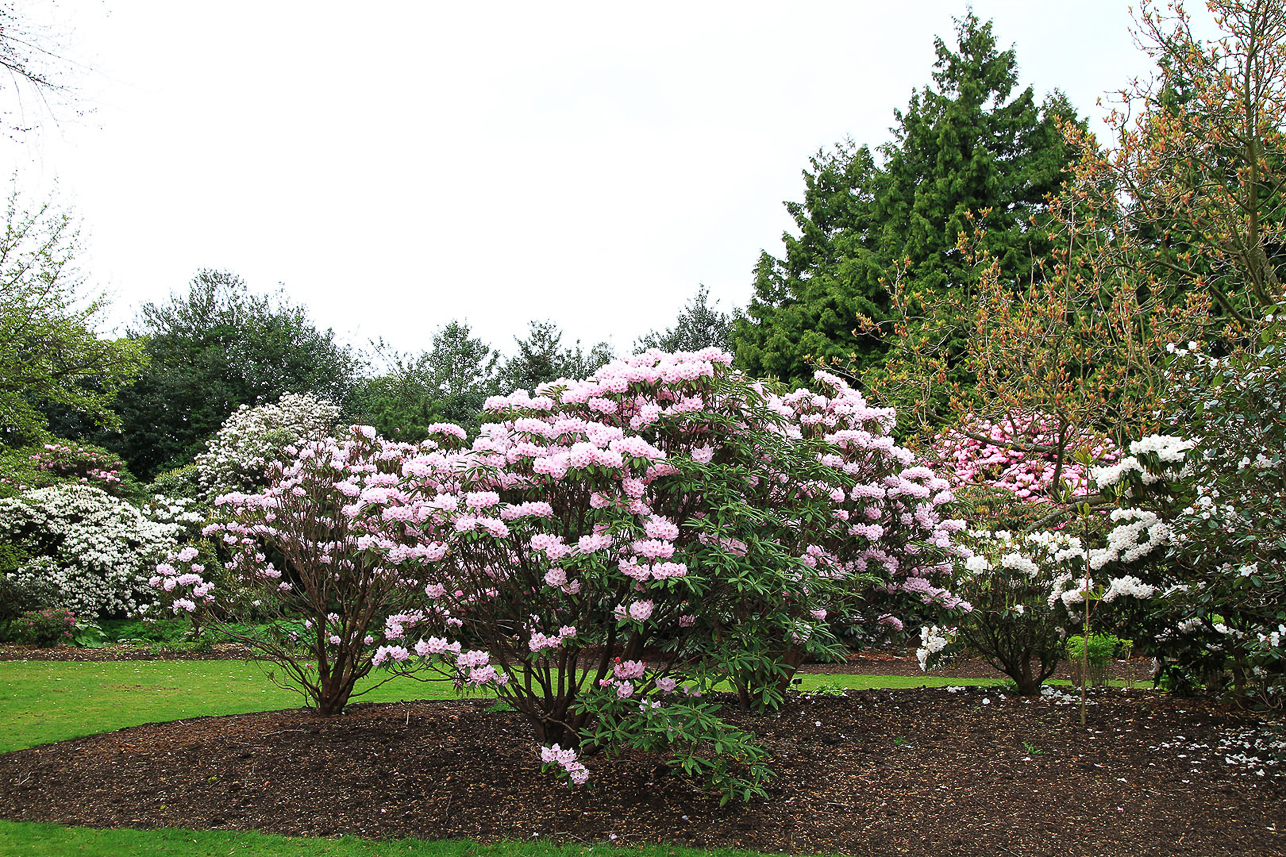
448, 383
1195, 180
967, 143
699, 325
50, 353
541, 358
213, 349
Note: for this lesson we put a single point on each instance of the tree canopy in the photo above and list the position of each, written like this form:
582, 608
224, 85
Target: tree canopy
50, 352
447, 383
541, 357
213, 349
968, 143
700, 325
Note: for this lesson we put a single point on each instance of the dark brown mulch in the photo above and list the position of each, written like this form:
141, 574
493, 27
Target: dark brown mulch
875, 773
1138, 670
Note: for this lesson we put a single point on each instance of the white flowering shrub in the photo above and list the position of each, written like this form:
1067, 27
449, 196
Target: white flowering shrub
95, 550
239, 456
1026, 591
1223, 615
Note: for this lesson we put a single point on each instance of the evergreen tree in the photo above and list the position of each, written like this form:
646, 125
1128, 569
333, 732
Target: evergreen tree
541, 358
699, 325
448, 383
967, 152
211, 350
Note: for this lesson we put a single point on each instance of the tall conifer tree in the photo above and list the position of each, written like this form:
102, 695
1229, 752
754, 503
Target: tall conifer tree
967, 143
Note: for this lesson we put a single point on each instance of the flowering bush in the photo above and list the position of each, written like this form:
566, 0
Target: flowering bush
670, 508
1030, 455
308, 548
605, 551
43, 465
70, 461
241, 454
1027, 590
95, 550
1224, 611
47, 627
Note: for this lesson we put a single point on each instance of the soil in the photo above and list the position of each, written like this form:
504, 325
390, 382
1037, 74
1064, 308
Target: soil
923, 771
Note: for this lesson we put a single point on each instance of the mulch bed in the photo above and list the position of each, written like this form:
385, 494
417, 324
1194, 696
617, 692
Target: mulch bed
922, 771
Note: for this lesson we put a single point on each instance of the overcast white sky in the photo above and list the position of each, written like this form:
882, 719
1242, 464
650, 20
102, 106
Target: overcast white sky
396, 165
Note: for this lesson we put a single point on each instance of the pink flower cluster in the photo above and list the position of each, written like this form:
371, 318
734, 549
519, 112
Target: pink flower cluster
567, 761
1019, 454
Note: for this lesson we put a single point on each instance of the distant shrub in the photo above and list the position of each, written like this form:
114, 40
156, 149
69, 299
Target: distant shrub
94, 549
250, 441
47, 627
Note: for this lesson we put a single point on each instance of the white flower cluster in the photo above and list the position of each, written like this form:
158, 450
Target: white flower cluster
188, 514
96, 550
933, 639
1136, 534
238, 456
1172, 451
1129, 585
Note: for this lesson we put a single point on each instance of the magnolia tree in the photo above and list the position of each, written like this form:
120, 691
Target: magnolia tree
309, 553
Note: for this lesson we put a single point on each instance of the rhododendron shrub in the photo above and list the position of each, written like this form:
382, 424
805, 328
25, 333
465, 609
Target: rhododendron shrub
68, 461
309, 552
243, 453
1224, 613
93, 550
1028, 590
619, 545
1025, 469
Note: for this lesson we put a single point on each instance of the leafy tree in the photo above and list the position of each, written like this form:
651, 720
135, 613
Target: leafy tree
50, 354
699, 325
448, 383
968, 143
216, 348
541, 358
1194, 184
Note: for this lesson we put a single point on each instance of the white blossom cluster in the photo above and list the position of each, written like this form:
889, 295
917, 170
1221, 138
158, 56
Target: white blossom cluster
97, 550
238, 456
1171, 451
933, 639
1054, 561
1137, 533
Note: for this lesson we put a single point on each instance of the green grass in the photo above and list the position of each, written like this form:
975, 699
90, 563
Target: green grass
43, 701
51, 840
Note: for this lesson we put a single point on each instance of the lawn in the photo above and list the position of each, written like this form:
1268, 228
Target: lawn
51, 840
